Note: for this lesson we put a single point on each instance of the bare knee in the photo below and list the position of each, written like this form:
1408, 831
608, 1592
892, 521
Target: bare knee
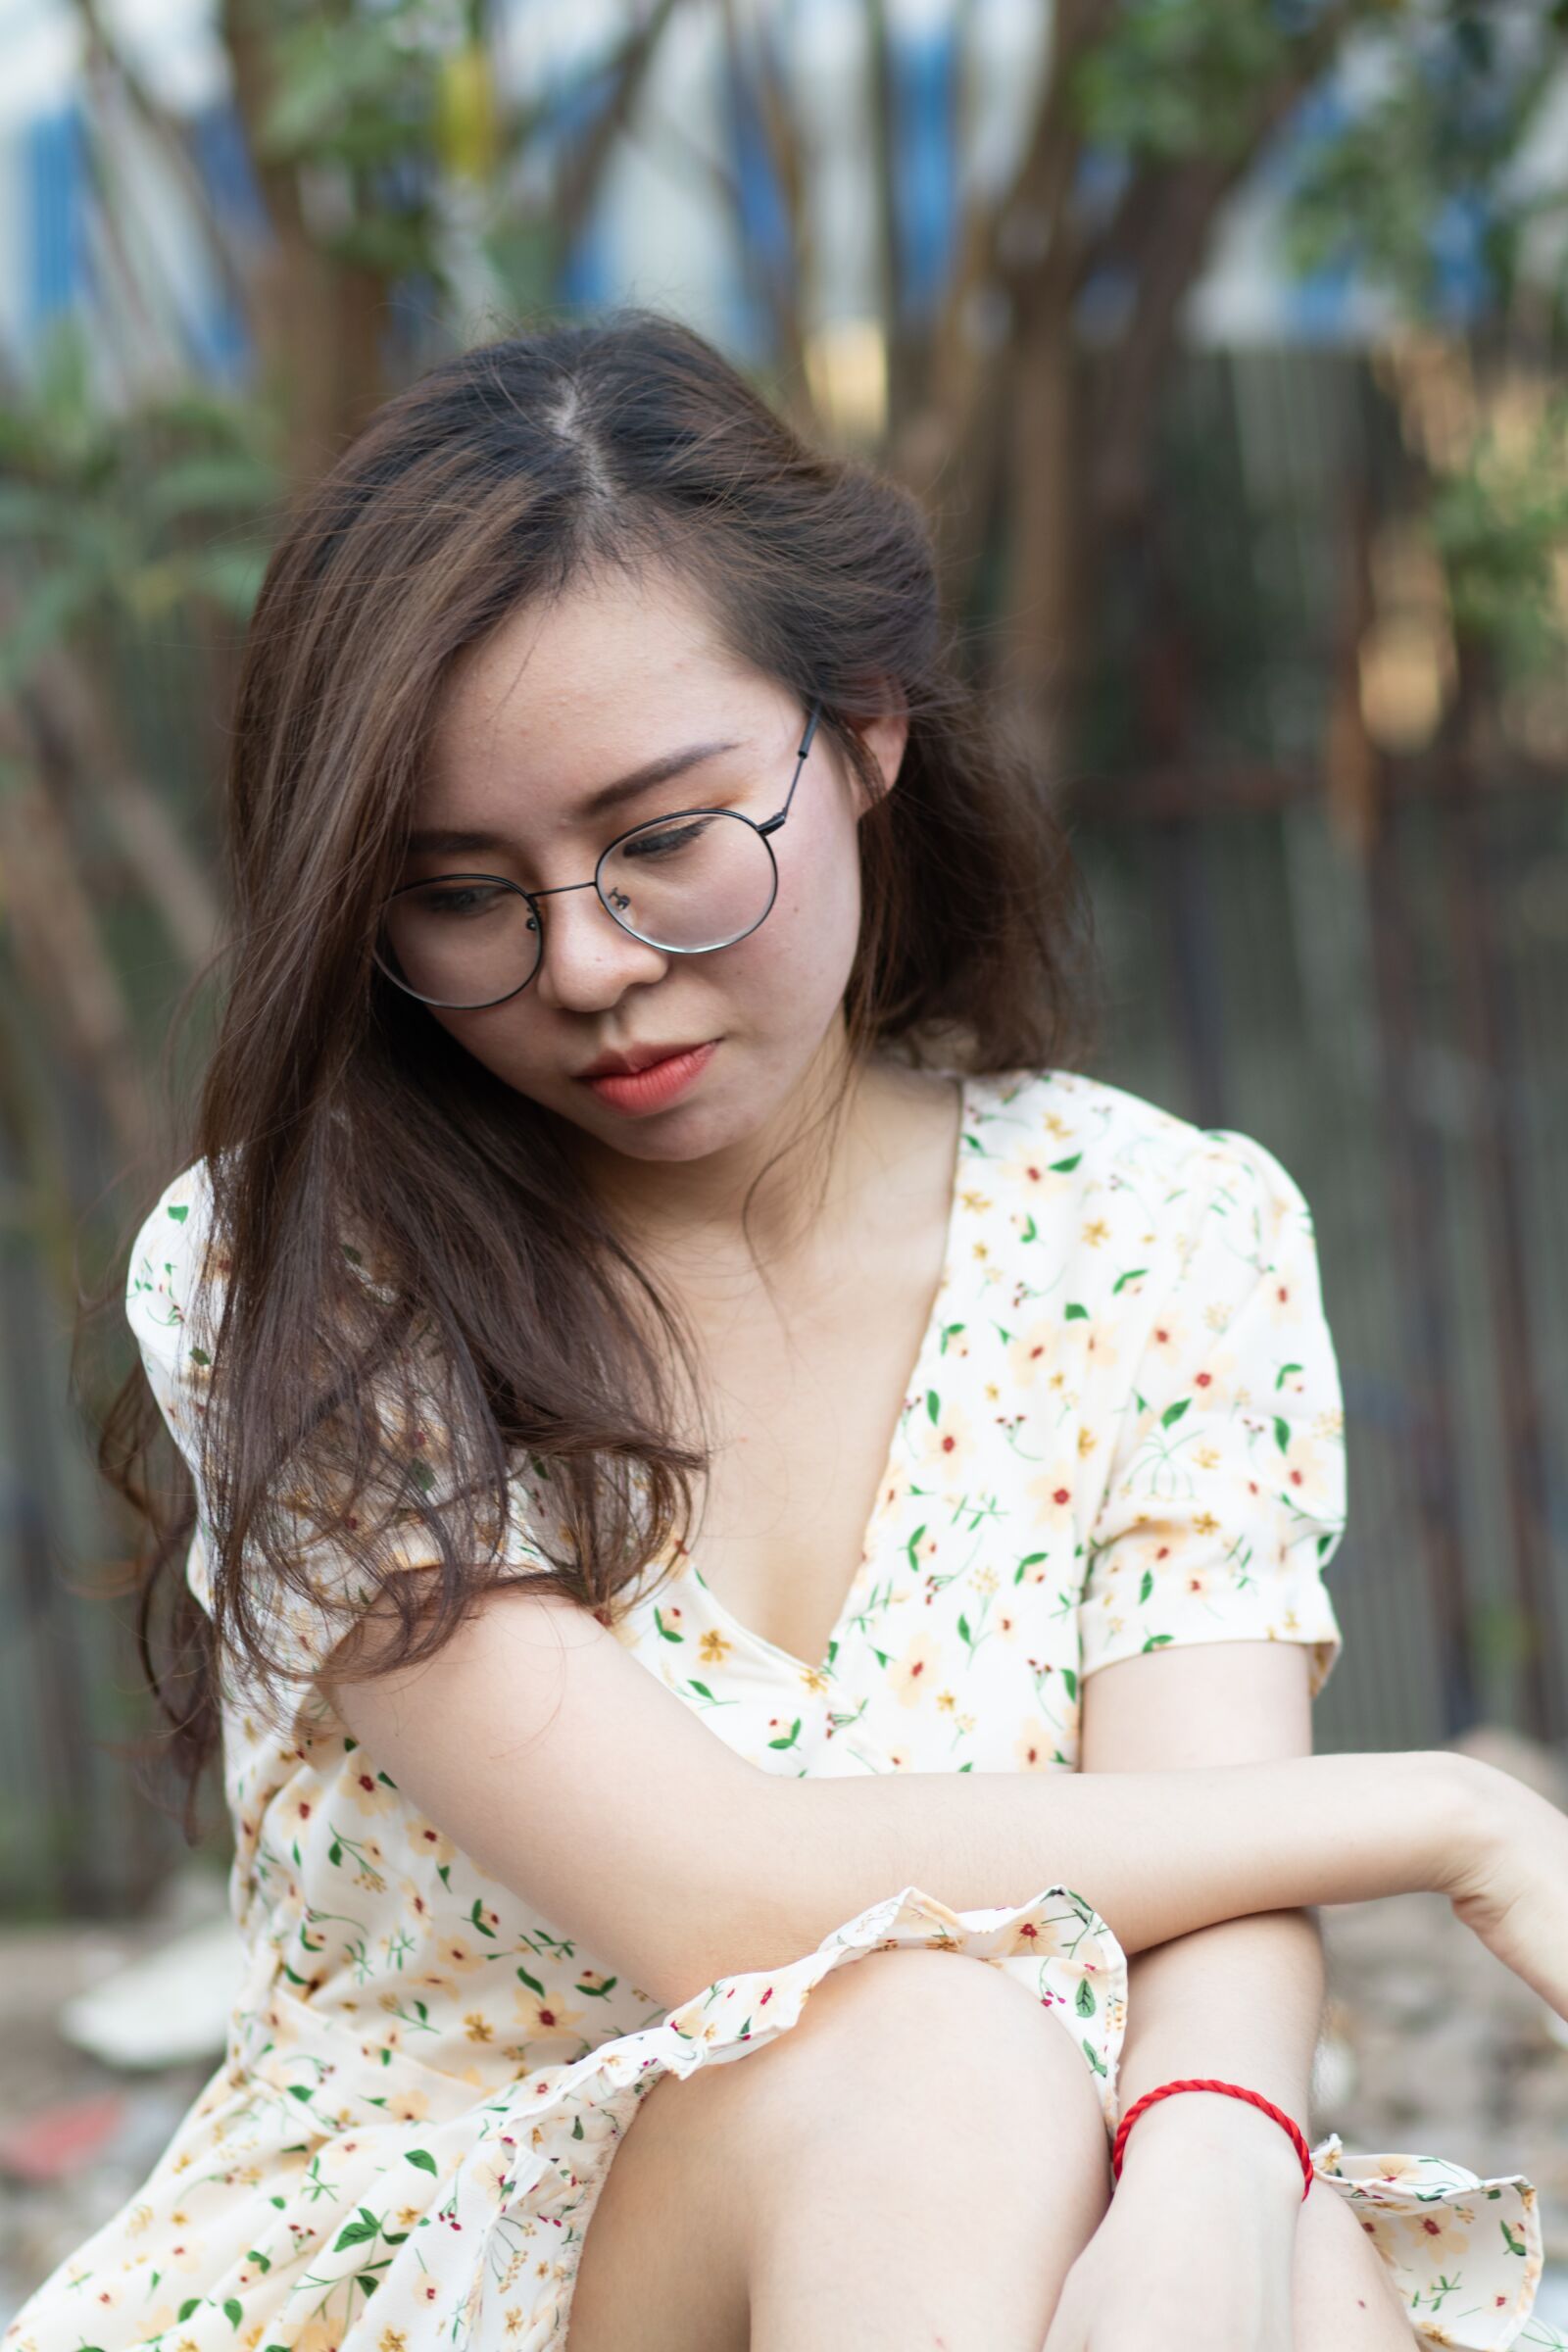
932, 2041
910, 2074
915, 2004
921, 2085
907, 2030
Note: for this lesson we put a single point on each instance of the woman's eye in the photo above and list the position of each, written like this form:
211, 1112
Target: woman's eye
667, 842
456, 905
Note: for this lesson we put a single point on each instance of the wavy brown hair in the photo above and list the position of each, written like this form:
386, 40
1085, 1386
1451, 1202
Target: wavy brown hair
333, 1103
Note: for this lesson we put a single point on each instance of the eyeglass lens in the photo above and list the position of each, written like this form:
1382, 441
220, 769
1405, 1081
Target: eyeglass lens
690, 883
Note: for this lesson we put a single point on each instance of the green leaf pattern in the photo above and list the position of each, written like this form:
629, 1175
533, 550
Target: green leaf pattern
1122, 1431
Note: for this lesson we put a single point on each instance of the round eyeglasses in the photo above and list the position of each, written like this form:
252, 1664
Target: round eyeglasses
686, 883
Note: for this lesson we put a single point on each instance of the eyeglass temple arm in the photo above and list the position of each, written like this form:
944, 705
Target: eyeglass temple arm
773, 823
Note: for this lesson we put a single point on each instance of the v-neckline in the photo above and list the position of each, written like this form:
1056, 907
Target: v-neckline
744, 1635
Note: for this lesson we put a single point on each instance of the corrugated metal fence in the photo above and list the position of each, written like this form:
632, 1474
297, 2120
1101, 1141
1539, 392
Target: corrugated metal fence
1452, 1582
1390, 1023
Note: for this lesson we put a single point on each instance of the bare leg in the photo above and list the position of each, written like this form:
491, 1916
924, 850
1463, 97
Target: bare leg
915, 2164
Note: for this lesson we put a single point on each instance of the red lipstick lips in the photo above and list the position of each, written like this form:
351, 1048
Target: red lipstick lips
649, 1077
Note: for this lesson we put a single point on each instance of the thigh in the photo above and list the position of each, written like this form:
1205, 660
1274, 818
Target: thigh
661, 2267
889, 2044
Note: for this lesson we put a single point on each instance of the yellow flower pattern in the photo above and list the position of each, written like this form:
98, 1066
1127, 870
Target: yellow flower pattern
1123, 1429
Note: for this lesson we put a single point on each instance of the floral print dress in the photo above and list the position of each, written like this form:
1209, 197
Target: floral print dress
1123, 1429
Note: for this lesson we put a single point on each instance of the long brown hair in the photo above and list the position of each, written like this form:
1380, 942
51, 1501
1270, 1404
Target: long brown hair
332, 1104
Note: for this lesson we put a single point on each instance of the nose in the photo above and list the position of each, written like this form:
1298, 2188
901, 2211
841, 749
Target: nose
588, 961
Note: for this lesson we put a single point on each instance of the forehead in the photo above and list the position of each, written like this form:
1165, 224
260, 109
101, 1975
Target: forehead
568, 691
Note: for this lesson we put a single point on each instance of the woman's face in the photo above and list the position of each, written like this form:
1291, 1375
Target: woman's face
537, 723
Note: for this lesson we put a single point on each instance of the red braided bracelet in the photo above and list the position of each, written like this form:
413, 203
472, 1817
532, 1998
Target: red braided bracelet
1254, 2098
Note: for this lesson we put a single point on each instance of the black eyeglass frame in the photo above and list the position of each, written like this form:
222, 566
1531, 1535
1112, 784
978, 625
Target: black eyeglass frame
651, 824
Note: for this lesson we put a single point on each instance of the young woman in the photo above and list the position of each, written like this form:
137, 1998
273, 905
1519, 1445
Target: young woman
739, 1510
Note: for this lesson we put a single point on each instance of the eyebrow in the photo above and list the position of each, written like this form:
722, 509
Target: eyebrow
448, 841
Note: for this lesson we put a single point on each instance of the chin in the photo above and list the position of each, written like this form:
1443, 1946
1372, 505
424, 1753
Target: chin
694, 1131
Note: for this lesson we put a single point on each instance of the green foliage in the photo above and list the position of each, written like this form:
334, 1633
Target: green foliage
382, 110
521, 249
1459, 103
1500, 527
1372, 193
1180, 78
1434, 152
354, 90
128, 514
1175, 82
355, 99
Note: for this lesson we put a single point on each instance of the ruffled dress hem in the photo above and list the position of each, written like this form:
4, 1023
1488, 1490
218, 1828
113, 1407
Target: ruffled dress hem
382, 2185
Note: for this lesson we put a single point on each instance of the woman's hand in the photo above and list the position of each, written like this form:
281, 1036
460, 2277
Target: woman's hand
1191, 2257
1508, 1880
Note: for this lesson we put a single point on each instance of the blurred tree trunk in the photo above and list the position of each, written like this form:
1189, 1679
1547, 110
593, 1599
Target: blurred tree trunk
1079, 466
317, 319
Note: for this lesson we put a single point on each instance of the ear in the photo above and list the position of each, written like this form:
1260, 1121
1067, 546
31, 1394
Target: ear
883, 727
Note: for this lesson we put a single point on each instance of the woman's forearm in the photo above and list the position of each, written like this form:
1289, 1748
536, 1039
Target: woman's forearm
1156, 1853
571, 1775
1241, 2001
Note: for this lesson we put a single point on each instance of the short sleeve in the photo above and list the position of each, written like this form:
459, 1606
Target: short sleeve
1224, 1496
173, 1297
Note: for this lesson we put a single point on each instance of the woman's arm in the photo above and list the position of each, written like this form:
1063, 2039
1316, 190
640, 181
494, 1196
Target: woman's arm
1243, 2000
568, 1771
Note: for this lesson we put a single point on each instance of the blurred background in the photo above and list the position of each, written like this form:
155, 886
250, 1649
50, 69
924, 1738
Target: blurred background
1223, 340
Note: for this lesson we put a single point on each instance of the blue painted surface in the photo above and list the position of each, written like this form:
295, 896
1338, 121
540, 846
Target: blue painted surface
763, 218
1462, 282
925, 179
588, 275
219, 329
54, 259
219, 140
1317, 306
